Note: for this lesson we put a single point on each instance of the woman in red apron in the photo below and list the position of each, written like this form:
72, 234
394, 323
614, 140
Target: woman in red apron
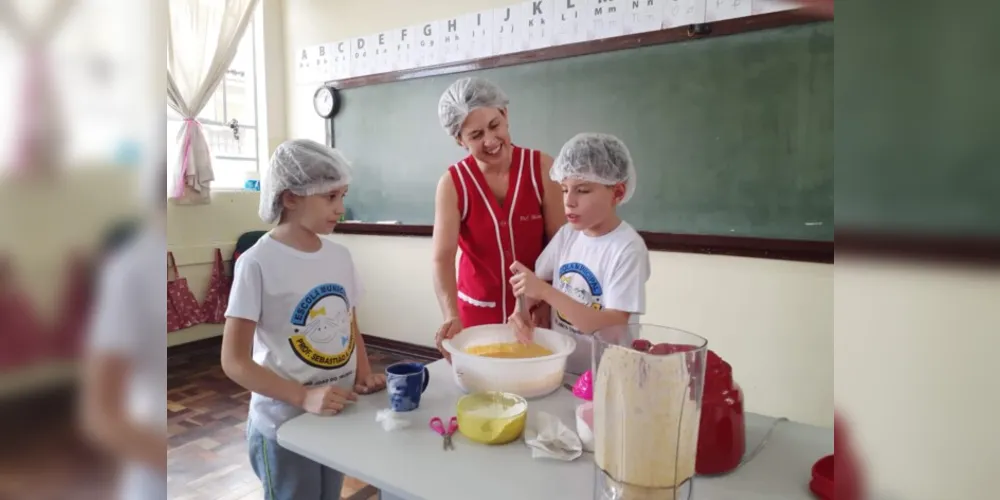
498, 205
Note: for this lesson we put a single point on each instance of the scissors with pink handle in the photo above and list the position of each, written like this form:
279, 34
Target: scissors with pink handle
438, 427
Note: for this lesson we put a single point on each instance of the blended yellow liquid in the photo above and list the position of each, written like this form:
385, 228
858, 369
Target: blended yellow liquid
513, 350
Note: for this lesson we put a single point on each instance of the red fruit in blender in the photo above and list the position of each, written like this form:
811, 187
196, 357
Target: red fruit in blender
641, 345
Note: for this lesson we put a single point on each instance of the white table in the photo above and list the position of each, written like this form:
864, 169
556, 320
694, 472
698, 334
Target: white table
410, 463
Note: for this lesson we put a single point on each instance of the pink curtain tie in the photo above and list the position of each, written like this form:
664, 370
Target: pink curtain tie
189, 124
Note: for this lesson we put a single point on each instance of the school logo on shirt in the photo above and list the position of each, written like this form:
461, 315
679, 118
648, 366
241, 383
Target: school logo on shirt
322, 328
579, 282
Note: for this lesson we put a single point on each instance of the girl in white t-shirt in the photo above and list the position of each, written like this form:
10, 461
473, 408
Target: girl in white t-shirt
597, 264
291, 334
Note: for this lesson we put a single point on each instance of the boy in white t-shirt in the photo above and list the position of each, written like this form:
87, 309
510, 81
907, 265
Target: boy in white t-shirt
291, 334
598, 264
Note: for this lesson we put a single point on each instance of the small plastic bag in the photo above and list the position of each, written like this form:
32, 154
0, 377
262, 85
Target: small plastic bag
548, 437
391, 420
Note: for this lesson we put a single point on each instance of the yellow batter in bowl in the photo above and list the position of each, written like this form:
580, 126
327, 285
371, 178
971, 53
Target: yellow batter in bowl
492, 417
510, 350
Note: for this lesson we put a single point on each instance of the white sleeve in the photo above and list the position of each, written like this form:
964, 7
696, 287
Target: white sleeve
248, 288
626, 289
545, 266
116, 325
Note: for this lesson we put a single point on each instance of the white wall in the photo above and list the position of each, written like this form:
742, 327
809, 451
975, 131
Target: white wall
916, 355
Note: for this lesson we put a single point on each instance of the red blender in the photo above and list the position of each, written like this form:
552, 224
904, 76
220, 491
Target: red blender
722, 430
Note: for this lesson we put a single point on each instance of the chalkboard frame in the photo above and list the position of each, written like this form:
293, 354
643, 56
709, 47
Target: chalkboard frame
765, 248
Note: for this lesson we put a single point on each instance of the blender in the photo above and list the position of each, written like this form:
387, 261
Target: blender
648, 383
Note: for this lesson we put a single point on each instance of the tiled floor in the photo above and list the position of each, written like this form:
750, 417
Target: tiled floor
206, 419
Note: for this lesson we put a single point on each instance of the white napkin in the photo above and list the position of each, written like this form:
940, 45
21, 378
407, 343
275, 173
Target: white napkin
391, 420
548, 437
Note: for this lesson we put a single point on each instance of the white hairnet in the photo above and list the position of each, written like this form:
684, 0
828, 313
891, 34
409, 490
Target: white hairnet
465, 95
599, 158
303, 167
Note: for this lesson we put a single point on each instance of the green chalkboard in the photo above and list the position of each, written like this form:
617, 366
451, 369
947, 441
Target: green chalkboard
732, 136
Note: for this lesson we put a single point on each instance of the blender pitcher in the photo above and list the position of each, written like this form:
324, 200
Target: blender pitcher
648, 384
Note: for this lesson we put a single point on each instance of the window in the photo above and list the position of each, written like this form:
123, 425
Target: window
98, 93
229, 119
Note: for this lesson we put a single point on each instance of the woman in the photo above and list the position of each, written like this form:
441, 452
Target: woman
498, 205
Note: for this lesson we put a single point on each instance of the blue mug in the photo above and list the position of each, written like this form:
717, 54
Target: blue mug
406, 382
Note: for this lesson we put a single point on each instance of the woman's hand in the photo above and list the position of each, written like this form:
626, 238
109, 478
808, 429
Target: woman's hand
526, 283
450, 328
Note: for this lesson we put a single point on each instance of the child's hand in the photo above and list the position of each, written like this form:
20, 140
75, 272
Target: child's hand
526, 283
367, 384
523, 330
327, 400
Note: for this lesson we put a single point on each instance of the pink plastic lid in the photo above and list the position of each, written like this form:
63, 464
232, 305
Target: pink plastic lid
584, 387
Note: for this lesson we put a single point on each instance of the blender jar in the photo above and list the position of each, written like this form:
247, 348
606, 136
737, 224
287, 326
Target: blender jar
648, 383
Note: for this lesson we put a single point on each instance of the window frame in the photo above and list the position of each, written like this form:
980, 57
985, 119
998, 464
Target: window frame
252, 98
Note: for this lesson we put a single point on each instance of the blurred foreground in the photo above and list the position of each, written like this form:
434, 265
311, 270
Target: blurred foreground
917, 279
82, 101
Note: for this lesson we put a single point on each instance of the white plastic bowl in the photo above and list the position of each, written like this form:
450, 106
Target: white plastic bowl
528, 377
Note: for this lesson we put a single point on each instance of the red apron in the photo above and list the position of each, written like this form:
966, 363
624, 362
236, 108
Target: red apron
493, 236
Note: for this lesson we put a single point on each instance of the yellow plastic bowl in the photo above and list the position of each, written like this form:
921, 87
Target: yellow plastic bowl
491, 417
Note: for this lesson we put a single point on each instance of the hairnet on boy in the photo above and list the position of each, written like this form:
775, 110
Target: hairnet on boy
599, 158
465, 95
303, 167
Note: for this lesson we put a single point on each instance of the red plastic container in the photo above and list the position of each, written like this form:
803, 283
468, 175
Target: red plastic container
822, 478
847, 462
722, 432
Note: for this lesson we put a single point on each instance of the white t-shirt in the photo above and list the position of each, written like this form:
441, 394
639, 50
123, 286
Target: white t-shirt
129, 320
303, 304
604, 272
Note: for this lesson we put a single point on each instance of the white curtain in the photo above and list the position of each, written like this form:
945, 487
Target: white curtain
40, 128
202, 41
